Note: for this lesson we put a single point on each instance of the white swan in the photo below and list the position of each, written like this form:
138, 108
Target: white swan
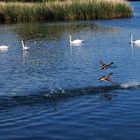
134, 42
75, 42
24, 48
4, 48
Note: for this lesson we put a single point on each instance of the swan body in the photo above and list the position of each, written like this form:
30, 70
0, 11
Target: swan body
134, 42
24, 48
4, 48
75, 42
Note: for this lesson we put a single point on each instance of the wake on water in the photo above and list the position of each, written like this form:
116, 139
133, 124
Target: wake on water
130, 84
46, 96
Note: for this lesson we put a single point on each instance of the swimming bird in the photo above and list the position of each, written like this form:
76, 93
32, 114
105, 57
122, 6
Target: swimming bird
75, 42
4, 48
134, 42
106, 78
105, 66
24, 48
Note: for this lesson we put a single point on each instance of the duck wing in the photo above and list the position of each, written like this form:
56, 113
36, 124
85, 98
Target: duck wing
109, 80
102, 63
110, 74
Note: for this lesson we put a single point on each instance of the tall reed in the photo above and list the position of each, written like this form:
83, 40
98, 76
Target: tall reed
64, 10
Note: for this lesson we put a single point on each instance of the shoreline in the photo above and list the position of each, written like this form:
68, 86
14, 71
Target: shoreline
66, 10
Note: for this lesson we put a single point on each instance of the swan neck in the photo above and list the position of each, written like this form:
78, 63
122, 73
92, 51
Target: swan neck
131, 38
70, 39
22, 44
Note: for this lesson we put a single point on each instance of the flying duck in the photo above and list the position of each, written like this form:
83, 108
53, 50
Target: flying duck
106, 78
105, 66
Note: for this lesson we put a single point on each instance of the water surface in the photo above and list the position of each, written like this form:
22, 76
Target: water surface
52, 91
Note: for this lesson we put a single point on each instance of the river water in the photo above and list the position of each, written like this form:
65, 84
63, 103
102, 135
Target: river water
52, 92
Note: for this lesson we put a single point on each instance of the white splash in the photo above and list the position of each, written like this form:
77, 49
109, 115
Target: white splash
130, 84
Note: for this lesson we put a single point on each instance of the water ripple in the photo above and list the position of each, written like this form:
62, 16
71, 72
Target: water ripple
49, 96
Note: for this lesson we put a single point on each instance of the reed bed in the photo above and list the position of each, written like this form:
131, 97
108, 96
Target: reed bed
64, 10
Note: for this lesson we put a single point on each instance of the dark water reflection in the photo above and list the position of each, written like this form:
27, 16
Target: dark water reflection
52, 91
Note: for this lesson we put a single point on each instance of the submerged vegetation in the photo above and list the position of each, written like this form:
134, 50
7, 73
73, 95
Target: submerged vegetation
64, 10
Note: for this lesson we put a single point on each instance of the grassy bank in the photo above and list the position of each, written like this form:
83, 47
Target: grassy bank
64, 10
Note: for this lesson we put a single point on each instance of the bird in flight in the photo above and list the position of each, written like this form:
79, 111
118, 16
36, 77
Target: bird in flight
106, 78
105, 66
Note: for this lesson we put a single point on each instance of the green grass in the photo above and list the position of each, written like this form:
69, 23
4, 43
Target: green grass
64, 10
